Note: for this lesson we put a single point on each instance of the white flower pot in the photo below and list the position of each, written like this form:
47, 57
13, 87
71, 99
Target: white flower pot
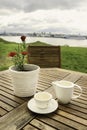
25, 82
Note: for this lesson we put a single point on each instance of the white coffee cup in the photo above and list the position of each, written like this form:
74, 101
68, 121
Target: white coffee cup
64, 91
42, 99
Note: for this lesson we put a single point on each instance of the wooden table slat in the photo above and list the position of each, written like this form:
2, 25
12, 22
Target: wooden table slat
16, 118
41, 125
74, 111
17, 99
8, 101
79, 104
6, 106
5, 78
5, 89
53, 123
72, 117
2, 111
68, 122
29, 127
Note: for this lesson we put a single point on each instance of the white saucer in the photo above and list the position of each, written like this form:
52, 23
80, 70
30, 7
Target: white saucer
51, 108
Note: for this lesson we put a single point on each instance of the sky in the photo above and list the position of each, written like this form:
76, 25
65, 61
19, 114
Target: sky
56, 16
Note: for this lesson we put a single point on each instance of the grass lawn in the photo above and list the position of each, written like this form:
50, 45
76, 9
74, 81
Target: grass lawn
73, 58
5, 48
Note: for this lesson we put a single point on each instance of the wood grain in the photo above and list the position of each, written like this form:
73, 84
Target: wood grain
14, 114
44, 56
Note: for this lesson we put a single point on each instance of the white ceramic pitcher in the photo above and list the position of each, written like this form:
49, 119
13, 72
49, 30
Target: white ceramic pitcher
64, 91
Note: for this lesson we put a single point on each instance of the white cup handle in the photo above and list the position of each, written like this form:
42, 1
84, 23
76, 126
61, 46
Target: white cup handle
79, 93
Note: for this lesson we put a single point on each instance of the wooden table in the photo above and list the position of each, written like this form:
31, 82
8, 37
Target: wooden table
15, 115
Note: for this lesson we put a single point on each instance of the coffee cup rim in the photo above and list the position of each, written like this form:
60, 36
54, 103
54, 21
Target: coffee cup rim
50, 96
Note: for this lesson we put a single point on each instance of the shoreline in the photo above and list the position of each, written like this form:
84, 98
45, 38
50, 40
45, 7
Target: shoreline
51, 41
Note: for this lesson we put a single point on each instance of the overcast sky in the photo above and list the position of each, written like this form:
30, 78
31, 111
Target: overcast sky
59, 16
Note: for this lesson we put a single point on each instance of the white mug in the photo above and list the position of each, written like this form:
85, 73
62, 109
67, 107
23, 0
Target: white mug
64, 91
42, 99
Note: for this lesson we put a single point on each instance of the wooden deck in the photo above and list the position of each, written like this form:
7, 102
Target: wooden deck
14, 114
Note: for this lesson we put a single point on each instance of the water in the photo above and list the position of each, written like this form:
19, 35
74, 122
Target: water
52, 41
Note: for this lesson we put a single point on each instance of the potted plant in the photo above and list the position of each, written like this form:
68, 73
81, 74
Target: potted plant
24, 76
